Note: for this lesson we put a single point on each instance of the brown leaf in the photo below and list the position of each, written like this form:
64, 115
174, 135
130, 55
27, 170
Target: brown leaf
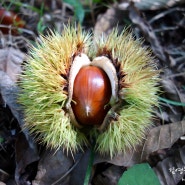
5, 80
10, 61
9, 92
161, 137
136, 18
171, 170
169, 86
79, 172
26, 150
151, 5
4, 176
53, 168
129, 158
171, 92
110, 176
107, 21
2, 183
25, 156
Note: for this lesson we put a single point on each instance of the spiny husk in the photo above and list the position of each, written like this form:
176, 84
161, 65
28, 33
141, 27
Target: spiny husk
137, 88
45, 81
44, 85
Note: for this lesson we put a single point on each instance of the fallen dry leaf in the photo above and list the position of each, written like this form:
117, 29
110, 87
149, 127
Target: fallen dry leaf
149, 35
162, 137
52, 167
171, 170
26, 150
151, 5
172, 92
10, 61
109, 176
79, 172
25, 156
165, 35
158, 138
107, 21
2, 183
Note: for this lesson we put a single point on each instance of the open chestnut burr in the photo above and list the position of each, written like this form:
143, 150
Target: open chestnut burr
76, 89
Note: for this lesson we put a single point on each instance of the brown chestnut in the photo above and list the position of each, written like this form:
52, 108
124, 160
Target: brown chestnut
10, 18
91, 94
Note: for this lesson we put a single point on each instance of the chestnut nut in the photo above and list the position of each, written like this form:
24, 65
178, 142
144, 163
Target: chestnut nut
9, 18
91, 94
92, 90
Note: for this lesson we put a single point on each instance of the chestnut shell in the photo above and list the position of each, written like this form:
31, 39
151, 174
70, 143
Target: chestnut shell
10, 18
91, 95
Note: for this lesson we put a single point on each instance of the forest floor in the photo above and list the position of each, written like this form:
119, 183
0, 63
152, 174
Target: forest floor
161, 25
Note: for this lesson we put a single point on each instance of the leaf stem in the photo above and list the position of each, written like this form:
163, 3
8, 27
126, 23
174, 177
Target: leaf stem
172, 102
89, 168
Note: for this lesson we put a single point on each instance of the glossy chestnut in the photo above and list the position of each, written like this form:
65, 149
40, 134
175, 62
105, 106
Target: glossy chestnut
91, 95
9, 18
